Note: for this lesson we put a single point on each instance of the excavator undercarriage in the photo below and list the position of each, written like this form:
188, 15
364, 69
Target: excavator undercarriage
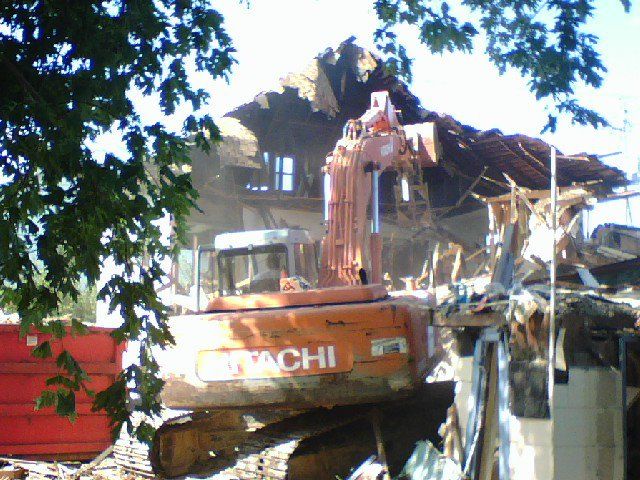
319, 443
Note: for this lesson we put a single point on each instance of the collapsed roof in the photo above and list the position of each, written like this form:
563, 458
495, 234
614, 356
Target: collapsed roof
337, 85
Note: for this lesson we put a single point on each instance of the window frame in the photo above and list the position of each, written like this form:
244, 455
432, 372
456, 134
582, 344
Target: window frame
271, 177
279, 174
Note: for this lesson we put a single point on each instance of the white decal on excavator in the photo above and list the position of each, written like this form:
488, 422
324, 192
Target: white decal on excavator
385, 346
387, 149
268, 362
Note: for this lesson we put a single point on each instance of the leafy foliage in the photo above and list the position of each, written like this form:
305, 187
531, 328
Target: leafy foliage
546, 40
83, 308
69, 68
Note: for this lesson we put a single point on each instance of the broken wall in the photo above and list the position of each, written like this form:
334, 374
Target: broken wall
585, 438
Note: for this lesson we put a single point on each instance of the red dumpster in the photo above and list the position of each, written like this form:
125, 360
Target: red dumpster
27, 432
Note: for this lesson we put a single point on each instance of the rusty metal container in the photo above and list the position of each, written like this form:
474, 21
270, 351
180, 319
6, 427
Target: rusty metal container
27, 432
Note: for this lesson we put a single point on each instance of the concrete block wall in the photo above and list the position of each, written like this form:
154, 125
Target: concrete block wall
588, 434
586, 441
531, 451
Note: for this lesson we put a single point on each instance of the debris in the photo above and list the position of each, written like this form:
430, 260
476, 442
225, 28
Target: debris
427, 463
368, 470
452, 436
587, 277
10, 473
102, 467
382, 456
85, 469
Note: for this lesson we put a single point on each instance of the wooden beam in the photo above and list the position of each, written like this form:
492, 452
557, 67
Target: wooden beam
466, 194
468, 319
539, 162
532, 194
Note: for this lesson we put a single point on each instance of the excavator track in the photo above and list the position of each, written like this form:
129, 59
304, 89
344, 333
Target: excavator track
132, 455
262, 454
280, 445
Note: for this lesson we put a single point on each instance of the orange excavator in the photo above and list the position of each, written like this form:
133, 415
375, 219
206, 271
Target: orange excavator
283, 355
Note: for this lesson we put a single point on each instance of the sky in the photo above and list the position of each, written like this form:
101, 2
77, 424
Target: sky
275, 37
280, 36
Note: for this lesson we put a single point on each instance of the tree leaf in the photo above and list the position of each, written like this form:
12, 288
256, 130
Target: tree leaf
549, 43
43, 350
47, 398
66, 404
78, 328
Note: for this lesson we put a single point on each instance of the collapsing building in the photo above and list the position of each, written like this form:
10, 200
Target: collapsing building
490, 278
266, 172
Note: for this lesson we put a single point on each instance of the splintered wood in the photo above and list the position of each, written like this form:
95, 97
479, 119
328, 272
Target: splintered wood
520, 227
520, 238
101, 468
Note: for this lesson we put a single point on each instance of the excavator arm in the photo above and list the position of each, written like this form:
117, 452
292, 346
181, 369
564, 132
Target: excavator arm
373, 143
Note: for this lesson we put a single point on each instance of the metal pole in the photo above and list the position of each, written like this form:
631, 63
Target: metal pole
194, 255
196, 267
327, 195
552, 277
504, 413
375, 206
622, 359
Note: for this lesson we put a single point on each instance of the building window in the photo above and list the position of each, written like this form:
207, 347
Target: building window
260, 179
277, 173
283, 174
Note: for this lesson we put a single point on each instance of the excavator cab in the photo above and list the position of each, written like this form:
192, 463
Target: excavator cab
260, 261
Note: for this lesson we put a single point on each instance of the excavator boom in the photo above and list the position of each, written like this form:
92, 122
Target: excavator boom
371, 144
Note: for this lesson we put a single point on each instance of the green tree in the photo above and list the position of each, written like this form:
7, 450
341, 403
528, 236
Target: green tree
68, 67
546, 40
83, 307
